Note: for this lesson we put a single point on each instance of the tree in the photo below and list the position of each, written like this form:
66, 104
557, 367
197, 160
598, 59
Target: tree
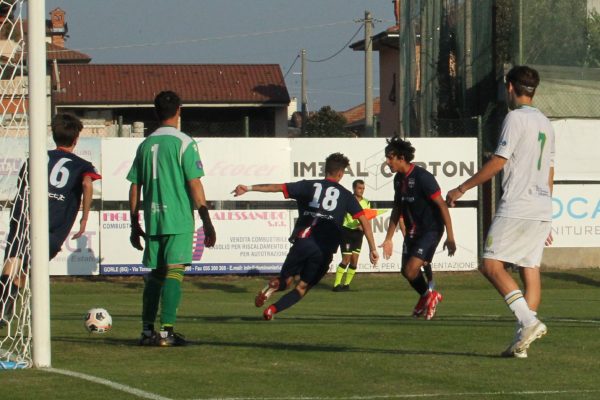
326, 123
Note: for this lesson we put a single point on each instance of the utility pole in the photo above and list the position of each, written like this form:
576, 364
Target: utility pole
303, 91
368, 75
404, 70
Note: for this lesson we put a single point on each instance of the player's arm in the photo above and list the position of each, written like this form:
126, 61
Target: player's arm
86, 204
388, 244
487, 172
366, 226
134, 211
199, 199
263, 187
450, 244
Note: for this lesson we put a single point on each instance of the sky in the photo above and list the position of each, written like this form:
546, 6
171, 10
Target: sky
235, 32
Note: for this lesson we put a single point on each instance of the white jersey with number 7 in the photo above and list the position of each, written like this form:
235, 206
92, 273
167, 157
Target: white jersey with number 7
527, 142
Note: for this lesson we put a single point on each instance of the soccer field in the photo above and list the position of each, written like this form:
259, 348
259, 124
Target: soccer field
360, 344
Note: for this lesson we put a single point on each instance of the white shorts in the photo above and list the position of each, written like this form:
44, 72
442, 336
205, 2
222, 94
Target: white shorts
517, 241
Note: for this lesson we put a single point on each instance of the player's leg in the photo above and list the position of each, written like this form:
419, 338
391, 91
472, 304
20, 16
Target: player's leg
357, 238
351, 269
533, 286
313, 269
341, 268
177, 254
411, 270
9, 288
505, 243
289, 270
153, 284
426, 269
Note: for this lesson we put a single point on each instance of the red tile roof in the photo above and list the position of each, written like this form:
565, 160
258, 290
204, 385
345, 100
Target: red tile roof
54, 52
357, 114
195, 83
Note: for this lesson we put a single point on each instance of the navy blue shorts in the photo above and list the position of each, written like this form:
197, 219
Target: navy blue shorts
422, 246
308, 260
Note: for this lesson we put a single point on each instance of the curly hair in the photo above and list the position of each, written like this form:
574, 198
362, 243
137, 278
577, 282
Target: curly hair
399, 148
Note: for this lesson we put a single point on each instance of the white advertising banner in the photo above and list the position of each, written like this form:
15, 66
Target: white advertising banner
227, 162
230, 161
576, 216
77, 257
451, 161
464, 223
248, 242
577, 143
117, 156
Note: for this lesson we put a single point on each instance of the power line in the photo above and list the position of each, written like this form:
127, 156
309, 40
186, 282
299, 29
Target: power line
196, 40
292, 66
340, 50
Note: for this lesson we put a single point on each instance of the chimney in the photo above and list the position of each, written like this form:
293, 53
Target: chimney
58, 27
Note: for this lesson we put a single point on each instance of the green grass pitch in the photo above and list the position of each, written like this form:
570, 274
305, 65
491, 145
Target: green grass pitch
360, 344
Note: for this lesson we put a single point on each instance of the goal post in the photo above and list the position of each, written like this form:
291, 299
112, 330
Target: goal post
38, 175
25, 292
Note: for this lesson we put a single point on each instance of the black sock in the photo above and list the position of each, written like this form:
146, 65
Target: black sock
419, 284
288, 300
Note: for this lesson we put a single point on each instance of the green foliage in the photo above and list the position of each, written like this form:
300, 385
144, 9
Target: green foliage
326, 123
359, 343
593, 54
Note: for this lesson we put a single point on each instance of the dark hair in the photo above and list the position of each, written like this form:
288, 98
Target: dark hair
336, 162
357, 182
166, 105
524, 80
399, 148
65, 129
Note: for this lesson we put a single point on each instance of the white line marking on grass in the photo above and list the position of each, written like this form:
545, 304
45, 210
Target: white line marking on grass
117, 386
499, 317
413, 396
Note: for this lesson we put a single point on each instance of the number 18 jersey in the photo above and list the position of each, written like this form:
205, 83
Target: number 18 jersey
527, 142
322, 205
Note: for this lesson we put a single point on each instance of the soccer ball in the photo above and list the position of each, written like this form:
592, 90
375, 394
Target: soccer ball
98, 320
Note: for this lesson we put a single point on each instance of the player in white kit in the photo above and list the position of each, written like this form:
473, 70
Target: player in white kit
522, 223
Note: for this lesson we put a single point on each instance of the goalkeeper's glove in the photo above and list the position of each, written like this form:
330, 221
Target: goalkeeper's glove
210, 236
136, 233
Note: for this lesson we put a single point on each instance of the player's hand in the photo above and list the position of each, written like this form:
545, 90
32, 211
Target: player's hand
82, 225
388, 248
239, 190
210, 236
452, 196
451, 246
136, 234
373, 257
549, 239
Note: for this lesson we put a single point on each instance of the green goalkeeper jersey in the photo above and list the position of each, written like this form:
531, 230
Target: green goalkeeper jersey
163, 164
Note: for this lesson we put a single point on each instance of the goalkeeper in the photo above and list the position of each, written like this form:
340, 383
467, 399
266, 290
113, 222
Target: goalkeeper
167, 171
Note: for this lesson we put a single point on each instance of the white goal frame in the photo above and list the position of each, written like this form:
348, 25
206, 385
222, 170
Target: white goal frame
38, 183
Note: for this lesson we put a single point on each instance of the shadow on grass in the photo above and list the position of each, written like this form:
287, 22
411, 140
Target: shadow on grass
570, 277
284, 346
223, 287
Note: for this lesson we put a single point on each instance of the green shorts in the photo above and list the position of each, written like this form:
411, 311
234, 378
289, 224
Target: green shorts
164, 250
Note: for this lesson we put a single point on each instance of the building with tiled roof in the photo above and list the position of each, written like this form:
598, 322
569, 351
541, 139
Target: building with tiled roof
218, 99
355, 117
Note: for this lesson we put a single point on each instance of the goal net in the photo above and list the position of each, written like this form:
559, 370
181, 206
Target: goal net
15, 311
